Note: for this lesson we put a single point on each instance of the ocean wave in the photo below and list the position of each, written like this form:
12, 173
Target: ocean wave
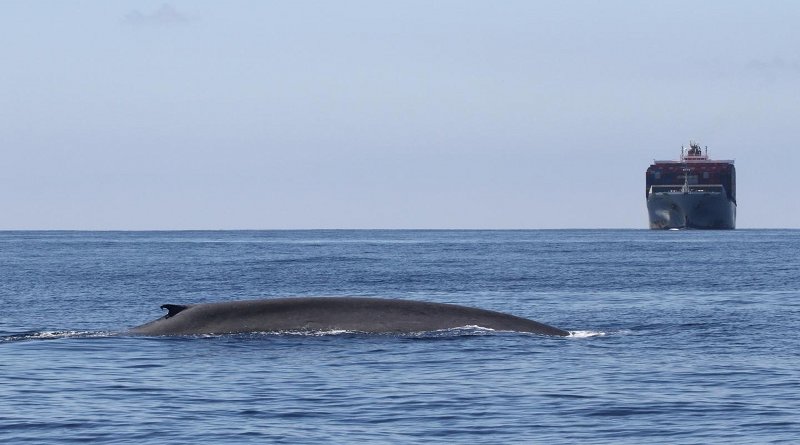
53, 335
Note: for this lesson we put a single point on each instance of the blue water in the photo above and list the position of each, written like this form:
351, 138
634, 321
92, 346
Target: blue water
679, 337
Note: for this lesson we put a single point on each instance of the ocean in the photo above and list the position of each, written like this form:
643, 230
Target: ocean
677, 337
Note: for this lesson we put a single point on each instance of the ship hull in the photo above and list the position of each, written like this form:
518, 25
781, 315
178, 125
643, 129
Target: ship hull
679, 210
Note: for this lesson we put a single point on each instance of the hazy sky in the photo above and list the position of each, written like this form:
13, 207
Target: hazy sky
387, 114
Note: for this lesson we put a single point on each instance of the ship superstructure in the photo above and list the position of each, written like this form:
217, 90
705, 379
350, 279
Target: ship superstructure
694, 192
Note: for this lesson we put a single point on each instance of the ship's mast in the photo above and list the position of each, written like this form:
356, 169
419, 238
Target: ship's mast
686, 171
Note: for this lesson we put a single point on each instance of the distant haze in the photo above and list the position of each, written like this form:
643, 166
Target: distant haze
370, 114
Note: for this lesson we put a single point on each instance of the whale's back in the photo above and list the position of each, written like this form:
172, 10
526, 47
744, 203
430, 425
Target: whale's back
370, 315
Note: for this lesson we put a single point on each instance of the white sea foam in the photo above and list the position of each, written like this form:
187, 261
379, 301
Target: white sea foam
586, 334
323, 333
469, 328
54, 335
47, 335
311, 333
259, 334
460, 330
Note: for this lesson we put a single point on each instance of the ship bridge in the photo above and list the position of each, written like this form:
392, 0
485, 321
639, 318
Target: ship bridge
694, 155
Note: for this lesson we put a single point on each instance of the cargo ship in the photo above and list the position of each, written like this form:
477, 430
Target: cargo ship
694, 192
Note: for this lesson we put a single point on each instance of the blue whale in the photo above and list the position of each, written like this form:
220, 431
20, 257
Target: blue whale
303, 314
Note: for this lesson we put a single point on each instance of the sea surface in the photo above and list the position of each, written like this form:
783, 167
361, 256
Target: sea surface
677, 337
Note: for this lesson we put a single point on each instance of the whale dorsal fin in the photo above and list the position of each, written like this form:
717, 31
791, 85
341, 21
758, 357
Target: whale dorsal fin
173, 309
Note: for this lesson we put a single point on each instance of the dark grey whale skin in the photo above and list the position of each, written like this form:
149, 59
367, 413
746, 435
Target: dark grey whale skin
369, 315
